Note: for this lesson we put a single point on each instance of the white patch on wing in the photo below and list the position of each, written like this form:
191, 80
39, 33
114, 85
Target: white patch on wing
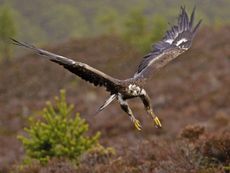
169, 41
181, 41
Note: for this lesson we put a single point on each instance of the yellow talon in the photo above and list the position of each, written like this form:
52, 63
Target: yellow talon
137, 124
157, 122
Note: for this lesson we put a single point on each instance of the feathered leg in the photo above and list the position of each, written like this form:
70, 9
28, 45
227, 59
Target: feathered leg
146, 101
125, 107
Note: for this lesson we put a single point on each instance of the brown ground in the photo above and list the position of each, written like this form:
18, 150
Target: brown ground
190, 93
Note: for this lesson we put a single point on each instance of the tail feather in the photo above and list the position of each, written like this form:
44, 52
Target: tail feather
106, 103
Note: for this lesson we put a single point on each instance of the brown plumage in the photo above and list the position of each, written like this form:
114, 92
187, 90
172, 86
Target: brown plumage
176, 41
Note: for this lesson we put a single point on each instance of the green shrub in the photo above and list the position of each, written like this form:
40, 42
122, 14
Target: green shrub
159, 26
57, 134
7, 29
109, 23
67, 18
135, 29
142, 32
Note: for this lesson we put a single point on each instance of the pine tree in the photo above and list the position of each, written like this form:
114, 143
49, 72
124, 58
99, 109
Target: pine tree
57, 134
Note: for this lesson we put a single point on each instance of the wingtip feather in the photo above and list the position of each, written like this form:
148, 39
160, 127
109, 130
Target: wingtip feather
23, 44
183, 19
196, 27
192, 17
15, 42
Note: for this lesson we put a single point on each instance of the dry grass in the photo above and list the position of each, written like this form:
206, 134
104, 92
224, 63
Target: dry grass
191, 96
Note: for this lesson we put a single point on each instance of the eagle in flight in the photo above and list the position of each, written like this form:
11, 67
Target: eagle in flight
176, 41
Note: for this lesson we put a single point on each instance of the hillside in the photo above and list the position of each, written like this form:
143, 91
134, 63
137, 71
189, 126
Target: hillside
193, 90
45, 21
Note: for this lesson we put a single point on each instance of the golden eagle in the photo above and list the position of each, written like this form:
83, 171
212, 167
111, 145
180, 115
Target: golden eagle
177, 40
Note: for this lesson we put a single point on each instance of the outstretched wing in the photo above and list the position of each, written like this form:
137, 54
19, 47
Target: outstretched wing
176, 41
82, 70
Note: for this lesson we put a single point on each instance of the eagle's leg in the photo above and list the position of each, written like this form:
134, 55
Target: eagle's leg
146, 101
125, 107
107, 102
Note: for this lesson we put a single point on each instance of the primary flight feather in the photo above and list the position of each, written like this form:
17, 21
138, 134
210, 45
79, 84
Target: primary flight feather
176, 41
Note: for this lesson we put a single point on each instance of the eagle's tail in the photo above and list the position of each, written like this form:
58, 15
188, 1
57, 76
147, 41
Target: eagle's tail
107, 102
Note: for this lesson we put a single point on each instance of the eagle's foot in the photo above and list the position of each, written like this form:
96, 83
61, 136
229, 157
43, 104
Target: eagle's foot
157, 122
137, 124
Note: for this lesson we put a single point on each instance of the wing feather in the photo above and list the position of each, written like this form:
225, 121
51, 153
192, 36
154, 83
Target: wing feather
176, 41
82, 70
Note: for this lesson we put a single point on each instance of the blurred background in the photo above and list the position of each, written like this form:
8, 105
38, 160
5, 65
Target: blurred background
59, 20
111, 36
